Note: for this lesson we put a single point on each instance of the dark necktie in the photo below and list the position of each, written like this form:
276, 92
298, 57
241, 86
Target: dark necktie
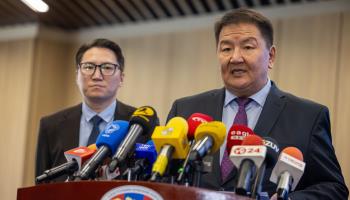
240, 118
96, 120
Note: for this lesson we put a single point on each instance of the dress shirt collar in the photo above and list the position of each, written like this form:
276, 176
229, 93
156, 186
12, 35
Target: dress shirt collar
259, 97
107, 114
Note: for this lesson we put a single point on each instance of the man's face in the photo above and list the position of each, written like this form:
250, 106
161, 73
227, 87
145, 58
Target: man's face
244, 58
98, 87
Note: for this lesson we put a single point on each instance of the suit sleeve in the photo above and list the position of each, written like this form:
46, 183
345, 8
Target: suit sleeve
322, 178
42, 162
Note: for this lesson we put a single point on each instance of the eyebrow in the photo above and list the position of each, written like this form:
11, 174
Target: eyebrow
249, 39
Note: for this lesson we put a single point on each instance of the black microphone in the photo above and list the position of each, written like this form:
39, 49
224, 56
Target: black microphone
143, 121
272, 151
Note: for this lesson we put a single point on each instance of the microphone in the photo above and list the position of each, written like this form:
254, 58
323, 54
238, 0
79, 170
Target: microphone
236, 135
272, 151
170, 142
145, 155
107, 142
193, 122
247, 158
288, 171
75, 157
142, 121
209, 137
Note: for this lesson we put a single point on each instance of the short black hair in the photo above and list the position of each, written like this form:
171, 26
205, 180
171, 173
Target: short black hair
101, 43
243, 15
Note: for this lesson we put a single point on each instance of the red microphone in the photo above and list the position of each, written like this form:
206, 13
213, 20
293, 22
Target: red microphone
194, 121
236, 135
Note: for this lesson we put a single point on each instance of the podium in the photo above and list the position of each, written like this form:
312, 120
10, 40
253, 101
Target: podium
107, 190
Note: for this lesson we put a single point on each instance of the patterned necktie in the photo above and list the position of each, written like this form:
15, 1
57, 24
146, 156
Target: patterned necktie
240, 118
96, 120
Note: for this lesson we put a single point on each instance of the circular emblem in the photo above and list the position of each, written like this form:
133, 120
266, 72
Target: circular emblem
134, 192
240, 150
112, 128
143, 111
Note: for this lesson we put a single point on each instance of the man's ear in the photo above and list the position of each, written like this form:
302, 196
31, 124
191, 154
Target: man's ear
272, 56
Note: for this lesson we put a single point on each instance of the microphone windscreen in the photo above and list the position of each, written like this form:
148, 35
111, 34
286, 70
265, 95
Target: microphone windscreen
252, 140
113, 135
236, 135
294, 152
215, 129
179, 123
173, 134
147, 151
272, 151
194, 121
145, 116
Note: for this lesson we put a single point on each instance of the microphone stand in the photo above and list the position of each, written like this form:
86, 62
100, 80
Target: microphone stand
198, 170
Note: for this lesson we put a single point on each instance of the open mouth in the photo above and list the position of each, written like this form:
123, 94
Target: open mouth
238, 71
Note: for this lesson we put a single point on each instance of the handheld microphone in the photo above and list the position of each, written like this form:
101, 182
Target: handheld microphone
247, 157
272, 151
75, 157
209, 137
193, 122
288, 171
236, 135
170, 142
142, 121
107, 142
145, 155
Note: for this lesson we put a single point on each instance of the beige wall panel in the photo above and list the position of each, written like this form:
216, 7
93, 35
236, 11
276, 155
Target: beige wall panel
72, 93
342, 115
193, 67
48, 92
163, 67
307, 57
15, 78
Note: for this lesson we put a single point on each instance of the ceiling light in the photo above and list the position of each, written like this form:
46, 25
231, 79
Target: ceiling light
36, 5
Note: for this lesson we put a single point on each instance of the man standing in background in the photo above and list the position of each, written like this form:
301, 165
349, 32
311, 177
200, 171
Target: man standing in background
99, 75
245, 50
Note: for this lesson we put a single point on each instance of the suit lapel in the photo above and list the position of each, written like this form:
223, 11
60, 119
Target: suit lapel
70, 126
217, 104
121, 112
274, 104
215, 108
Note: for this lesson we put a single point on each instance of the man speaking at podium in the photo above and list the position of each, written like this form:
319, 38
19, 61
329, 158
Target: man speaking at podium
245, 50
99, 75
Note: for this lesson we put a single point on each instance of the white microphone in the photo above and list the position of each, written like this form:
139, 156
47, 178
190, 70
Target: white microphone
247, 157
288, 171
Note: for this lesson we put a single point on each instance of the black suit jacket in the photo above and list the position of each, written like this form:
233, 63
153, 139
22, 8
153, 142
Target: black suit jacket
59, 132
291, 121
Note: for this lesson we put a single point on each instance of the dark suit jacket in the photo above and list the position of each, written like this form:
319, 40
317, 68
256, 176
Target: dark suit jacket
59, 132
291, 121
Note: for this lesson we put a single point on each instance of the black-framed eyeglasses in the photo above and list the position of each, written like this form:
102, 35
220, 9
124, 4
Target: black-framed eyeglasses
106, 69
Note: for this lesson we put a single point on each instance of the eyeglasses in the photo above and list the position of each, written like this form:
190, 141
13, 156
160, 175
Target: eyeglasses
106, 69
